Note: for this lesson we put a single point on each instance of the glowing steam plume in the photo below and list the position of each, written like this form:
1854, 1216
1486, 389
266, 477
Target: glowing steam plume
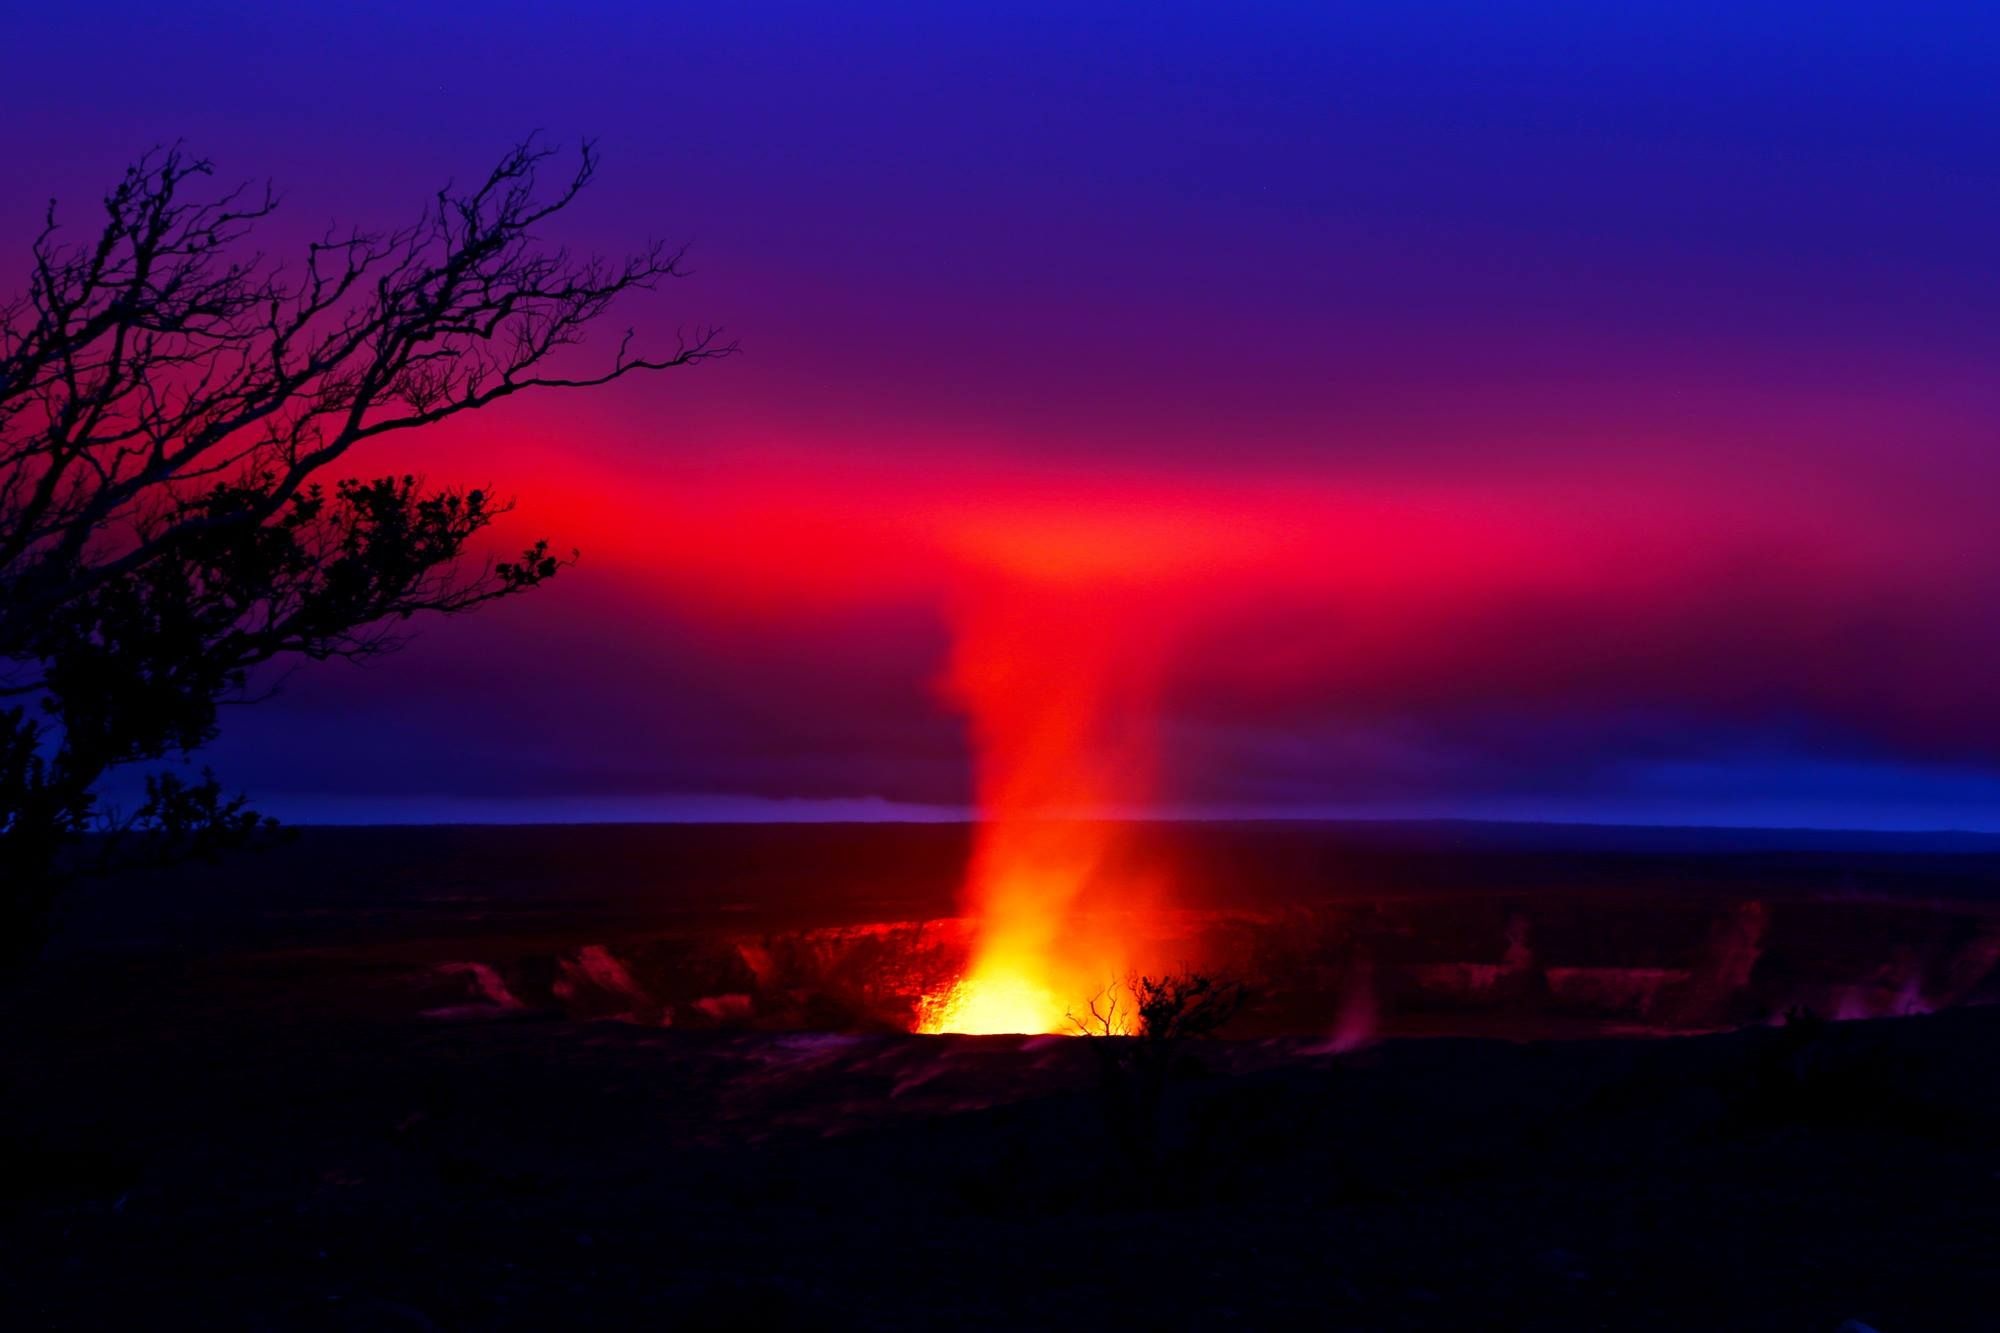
1062, 690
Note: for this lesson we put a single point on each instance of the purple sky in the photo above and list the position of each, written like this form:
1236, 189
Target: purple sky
1580, 412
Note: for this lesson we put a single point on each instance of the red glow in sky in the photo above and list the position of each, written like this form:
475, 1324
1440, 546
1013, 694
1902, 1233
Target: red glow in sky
1478, 423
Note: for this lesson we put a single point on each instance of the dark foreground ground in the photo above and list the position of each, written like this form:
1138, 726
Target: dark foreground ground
227, 1136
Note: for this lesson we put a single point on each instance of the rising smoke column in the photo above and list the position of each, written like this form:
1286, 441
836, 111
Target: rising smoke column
1061, 688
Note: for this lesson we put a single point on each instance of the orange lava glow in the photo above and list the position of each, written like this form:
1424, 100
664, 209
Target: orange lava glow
986, 1003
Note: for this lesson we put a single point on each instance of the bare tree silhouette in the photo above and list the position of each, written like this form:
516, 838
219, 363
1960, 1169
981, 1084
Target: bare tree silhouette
168, 404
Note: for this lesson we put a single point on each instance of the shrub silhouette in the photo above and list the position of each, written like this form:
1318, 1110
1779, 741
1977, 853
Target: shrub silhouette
1138, 1031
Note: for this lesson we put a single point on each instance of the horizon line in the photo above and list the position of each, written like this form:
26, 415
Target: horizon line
971, 819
